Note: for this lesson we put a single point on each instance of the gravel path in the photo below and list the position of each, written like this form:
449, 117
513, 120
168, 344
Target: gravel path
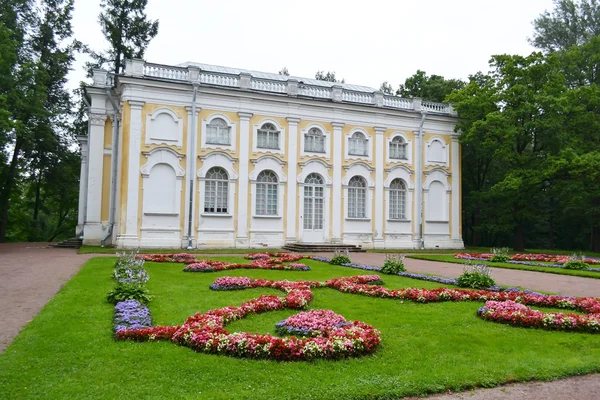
32, 273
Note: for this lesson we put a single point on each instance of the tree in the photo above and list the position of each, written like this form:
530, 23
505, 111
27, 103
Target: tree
431, 88
386, 88
571, 23
284, 71
329, 77
128, 31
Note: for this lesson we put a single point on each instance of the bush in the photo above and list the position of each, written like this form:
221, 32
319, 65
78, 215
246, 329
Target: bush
575, 264
393, 264
475, 277
124, 291
500, 255
500, 258
340, 258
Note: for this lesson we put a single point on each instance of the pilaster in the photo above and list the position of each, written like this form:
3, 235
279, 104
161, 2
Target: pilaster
455, 221
191, 190
83, 184
418, 208
243, 193
338, 159
132, 222
379, 193
292, 184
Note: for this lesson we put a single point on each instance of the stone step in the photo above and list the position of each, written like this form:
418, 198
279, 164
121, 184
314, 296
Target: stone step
321, 247
72, 243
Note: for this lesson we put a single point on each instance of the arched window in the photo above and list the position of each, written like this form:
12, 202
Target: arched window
398, 148
216, 191
314, 141
358, 145
397, 199
217, 132
268, 137
357, 197
266, 193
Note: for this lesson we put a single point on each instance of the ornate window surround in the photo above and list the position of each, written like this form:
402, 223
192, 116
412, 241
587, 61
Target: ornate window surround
327, 136
409, 149
276, 165
348, 136
282, 136
445, 148
364, 170
164, 155
405, 174
232, 133
162, 140
225, 161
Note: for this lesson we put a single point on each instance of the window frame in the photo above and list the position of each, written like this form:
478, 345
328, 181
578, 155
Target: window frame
357, 196
401, 147
397, 208
265, 190
353, 139
314, 133
226, 127
221, 192
269, 133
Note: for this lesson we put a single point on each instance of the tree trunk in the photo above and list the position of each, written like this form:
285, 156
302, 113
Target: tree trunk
8, 186
34, 234
519, 238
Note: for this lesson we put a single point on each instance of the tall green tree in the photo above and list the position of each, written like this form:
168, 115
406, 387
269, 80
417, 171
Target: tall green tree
571, 23
431, 88
128, 31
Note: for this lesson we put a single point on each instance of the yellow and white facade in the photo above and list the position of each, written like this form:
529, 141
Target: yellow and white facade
197, 156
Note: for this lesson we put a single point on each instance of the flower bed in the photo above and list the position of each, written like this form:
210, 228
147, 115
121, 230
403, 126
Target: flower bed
131, 314
516, 314
311, 323
530, 259
212, 266
206, 332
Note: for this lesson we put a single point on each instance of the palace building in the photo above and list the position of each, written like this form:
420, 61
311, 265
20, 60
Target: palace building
199, 156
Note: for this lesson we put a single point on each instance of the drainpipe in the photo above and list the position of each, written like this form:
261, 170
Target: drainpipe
85, 192
113, 169
419, 182
192, 160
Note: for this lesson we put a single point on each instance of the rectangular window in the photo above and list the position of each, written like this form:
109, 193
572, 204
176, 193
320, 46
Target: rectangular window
266, 199
215, 197
398, 151
217, 135
314, 144
397, 204
268, 139
358, 147
357, 203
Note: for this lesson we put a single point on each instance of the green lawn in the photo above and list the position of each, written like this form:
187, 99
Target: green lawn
67, 351
558, 271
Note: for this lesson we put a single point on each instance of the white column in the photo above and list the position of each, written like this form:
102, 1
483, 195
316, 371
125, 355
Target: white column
338, 158
243, 193
292, 215
93, 225
130, 239
379, 193
83, 184
456, 239
418, 209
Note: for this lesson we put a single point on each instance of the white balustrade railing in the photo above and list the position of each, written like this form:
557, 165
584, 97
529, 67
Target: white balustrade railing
110, 80
357, 97
314, 91
269, 86
397, 102
275, 86
165, 72
221, 80
436, 107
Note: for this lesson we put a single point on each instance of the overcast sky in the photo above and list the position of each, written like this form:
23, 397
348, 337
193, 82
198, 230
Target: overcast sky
365, 42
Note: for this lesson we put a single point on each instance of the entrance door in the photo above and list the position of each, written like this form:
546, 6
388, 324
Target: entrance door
314, 198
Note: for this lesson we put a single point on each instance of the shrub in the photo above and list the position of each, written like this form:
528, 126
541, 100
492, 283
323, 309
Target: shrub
476, 277
340, 258
393, 264
124, 291
575, 264
500, 255
130, 270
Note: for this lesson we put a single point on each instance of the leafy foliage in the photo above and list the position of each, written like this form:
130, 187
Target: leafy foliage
329, 76
123, 292
431, 88
393, 264
576, 264
476, 277
340, 258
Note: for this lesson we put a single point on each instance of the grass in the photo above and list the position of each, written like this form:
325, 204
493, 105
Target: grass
113, 250
550, 270
67, 351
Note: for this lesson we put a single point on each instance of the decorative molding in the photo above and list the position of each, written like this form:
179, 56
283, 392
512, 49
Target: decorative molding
218, 159
162, 155
153, 137
97, 119
231, 146
359, 168
315, 166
